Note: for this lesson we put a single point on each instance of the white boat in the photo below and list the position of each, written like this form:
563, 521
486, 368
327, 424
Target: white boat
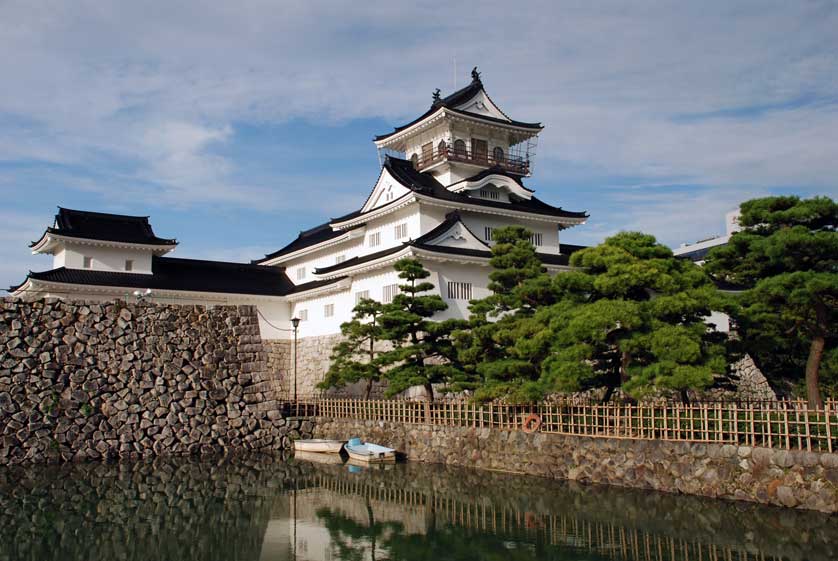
369, 453
319, 445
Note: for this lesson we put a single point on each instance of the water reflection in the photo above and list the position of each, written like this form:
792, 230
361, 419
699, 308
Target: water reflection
274, 509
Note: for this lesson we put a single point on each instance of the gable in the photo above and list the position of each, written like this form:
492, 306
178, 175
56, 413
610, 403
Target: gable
457, 235
493, 181
480, 104
386, 190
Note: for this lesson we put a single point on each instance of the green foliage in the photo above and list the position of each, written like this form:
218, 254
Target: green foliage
354, 358
787, 255
422, 350
630, 315
514, 280
495, 347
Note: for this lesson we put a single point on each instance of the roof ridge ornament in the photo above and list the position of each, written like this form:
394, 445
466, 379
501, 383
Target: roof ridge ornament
437, 97
475, 76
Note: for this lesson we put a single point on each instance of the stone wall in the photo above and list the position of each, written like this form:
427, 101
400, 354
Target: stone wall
90, 381
312, 364
751, 383
803, 480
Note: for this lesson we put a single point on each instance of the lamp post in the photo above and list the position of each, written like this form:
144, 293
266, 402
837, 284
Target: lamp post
296, 323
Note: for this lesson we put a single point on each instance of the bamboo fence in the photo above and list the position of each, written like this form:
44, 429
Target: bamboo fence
783, 424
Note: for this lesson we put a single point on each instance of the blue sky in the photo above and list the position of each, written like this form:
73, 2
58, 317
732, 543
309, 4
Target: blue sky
236, 124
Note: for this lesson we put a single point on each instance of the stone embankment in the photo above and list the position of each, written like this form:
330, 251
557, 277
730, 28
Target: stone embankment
805, 480
93, 381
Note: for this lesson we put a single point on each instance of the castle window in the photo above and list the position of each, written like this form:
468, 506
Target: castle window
303, 315
497, 154
301, 273
328, 310
537, 239
479, 149
87, 262
488, 233
389, 292
361, 295
427, 153
374, 240
401, 230
491, 194
459, 290
340, 258
129, 264
460, 148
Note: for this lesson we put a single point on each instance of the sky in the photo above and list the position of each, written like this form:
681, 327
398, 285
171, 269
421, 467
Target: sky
234, 125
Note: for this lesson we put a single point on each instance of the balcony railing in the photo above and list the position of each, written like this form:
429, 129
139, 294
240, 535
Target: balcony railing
512, 164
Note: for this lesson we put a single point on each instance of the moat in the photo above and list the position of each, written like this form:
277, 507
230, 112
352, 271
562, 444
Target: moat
268, 508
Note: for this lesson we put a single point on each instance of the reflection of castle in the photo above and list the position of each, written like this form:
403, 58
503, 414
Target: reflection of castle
417, 510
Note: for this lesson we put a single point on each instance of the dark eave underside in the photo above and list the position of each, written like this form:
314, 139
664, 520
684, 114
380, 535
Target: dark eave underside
457, 98
435, 108
102, 226
547, 258
169, 273
318, 234
426, 184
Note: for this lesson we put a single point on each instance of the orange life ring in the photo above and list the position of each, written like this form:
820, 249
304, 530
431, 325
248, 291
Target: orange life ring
532, 423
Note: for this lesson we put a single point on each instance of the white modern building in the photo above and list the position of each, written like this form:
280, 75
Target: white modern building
696, 252
448, 179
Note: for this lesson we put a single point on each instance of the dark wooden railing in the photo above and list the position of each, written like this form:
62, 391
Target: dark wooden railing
512, 164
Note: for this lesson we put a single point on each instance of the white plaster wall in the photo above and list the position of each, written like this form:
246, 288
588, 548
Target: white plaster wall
322, 258
105, 258
317, 323
476, 222
434, 135
360, 246
477, 275
274, 320
59, 259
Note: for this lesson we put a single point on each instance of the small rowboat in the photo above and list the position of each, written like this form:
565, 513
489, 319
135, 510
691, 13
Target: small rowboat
369, 453
319, 445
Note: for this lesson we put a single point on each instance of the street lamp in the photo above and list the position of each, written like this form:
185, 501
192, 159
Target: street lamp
296, 323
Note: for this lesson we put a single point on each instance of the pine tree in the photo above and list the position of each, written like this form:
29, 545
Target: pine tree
630, 316
422, 350
354, 358
787, 254
519, 285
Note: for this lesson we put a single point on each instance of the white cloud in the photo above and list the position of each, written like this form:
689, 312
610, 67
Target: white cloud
160, 88
18, 230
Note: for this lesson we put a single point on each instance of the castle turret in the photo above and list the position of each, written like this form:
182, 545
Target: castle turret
463, 134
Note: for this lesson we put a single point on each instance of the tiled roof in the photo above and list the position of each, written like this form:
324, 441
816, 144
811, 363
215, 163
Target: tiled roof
105, 227
306, 238
169, 273
451, 101
421, 243
426, 184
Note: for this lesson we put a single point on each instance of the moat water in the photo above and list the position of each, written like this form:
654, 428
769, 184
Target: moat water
272, 509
